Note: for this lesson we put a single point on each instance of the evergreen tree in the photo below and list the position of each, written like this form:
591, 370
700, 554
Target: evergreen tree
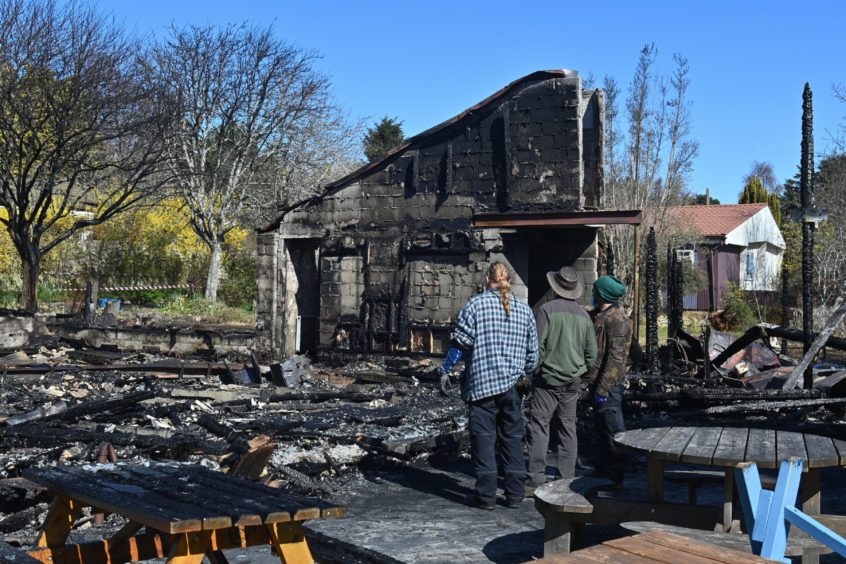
382, 137
755, 193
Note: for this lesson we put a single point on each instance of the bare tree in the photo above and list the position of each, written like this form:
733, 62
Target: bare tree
254, 119
839, 138
81, 136
649, 167
766, 173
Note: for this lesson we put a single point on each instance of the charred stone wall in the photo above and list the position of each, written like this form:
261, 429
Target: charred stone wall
398, 254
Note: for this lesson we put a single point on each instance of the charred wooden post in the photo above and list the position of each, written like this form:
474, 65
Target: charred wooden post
636, 285
90, 306
785, 305
670, 317
677, 296
651, 302
609, 260
808, 228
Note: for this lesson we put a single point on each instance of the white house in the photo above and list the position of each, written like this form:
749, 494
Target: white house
741, 243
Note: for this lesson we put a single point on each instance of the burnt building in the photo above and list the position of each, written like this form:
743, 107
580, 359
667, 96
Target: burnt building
384, 258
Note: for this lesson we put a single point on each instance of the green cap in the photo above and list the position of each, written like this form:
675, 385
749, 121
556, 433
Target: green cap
609, 288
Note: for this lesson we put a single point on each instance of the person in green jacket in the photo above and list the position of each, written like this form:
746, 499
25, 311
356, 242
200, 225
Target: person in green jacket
568, 352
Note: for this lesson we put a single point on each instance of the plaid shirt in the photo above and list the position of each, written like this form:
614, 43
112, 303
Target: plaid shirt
500, 349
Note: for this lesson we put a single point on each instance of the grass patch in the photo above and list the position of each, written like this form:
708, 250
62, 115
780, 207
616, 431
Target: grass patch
200, 310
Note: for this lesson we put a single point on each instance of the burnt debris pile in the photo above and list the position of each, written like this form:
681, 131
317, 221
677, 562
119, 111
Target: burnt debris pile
291, 425
744, 379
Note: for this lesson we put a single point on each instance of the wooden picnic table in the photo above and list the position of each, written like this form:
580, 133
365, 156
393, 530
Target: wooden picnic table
726, 447
187, 511
656, 546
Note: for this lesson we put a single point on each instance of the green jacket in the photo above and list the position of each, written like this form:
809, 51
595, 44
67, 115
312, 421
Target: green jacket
567, 341
613, 336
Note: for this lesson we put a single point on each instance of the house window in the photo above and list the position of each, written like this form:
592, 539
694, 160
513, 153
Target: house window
685, 255
750, 265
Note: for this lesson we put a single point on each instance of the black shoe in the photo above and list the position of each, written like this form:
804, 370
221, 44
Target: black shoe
473, 500
513, 502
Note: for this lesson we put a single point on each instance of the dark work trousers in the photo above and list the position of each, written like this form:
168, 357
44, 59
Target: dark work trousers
548, 402
609, 422
498, 419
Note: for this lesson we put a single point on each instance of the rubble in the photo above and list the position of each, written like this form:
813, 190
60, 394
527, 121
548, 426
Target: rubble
136, 408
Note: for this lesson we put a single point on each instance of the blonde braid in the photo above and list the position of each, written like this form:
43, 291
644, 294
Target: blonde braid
498, 273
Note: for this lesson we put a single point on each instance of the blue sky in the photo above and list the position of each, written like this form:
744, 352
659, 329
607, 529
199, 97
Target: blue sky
426, 61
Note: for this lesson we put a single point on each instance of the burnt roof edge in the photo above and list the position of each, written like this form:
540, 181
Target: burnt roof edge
396, 151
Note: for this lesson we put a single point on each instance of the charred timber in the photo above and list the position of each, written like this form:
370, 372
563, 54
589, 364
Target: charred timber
320, 396
678, 294
721, 395
797, 335
764, 333
48, 436
785, 304
212, 424
651, 302
766, 406
806, 184
193, 368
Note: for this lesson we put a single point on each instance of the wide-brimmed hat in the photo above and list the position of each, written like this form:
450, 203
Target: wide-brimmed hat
566, 283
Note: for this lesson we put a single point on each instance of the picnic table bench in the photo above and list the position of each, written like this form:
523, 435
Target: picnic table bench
653, 547
725, 448
187, 512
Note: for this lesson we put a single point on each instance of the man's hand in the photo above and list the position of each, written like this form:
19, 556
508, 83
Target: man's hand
599, 399
523, 385
444, 384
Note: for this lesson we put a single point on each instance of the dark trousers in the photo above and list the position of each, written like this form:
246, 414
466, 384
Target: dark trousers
548, 402
498, 419
609, 422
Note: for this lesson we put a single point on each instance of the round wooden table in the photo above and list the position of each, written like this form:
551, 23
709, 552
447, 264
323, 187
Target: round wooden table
726, 447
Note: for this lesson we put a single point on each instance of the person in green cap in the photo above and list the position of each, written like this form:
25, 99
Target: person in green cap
613, 335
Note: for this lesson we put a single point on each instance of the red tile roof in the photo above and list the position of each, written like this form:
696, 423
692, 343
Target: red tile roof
714, 221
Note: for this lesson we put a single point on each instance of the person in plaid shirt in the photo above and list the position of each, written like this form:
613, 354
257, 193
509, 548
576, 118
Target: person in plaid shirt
499, 337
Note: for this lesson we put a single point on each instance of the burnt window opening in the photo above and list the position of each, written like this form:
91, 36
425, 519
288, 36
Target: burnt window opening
501, 144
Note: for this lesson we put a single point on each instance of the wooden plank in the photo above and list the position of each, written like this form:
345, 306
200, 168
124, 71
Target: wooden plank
615, 511
703, 443
142, 483
673, 443
841, 450
731, 448
218, 511
761, 448
789, 445
645, 547
642, 440
627, 438
719, 544
821, 451
600, 553
654, 479
271, 500
103, 496
569, 494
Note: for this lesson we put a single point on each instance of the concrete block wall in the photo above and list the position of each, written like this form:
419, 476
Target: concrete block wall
185, 341
18, 332
523, 153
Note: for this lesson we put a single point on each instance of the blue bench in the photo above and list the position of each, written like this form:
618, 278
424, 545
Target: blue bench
769, 514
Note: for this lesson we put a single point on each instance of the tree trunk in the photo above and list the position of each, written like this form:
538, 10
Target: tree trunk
31, 272
213, 278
